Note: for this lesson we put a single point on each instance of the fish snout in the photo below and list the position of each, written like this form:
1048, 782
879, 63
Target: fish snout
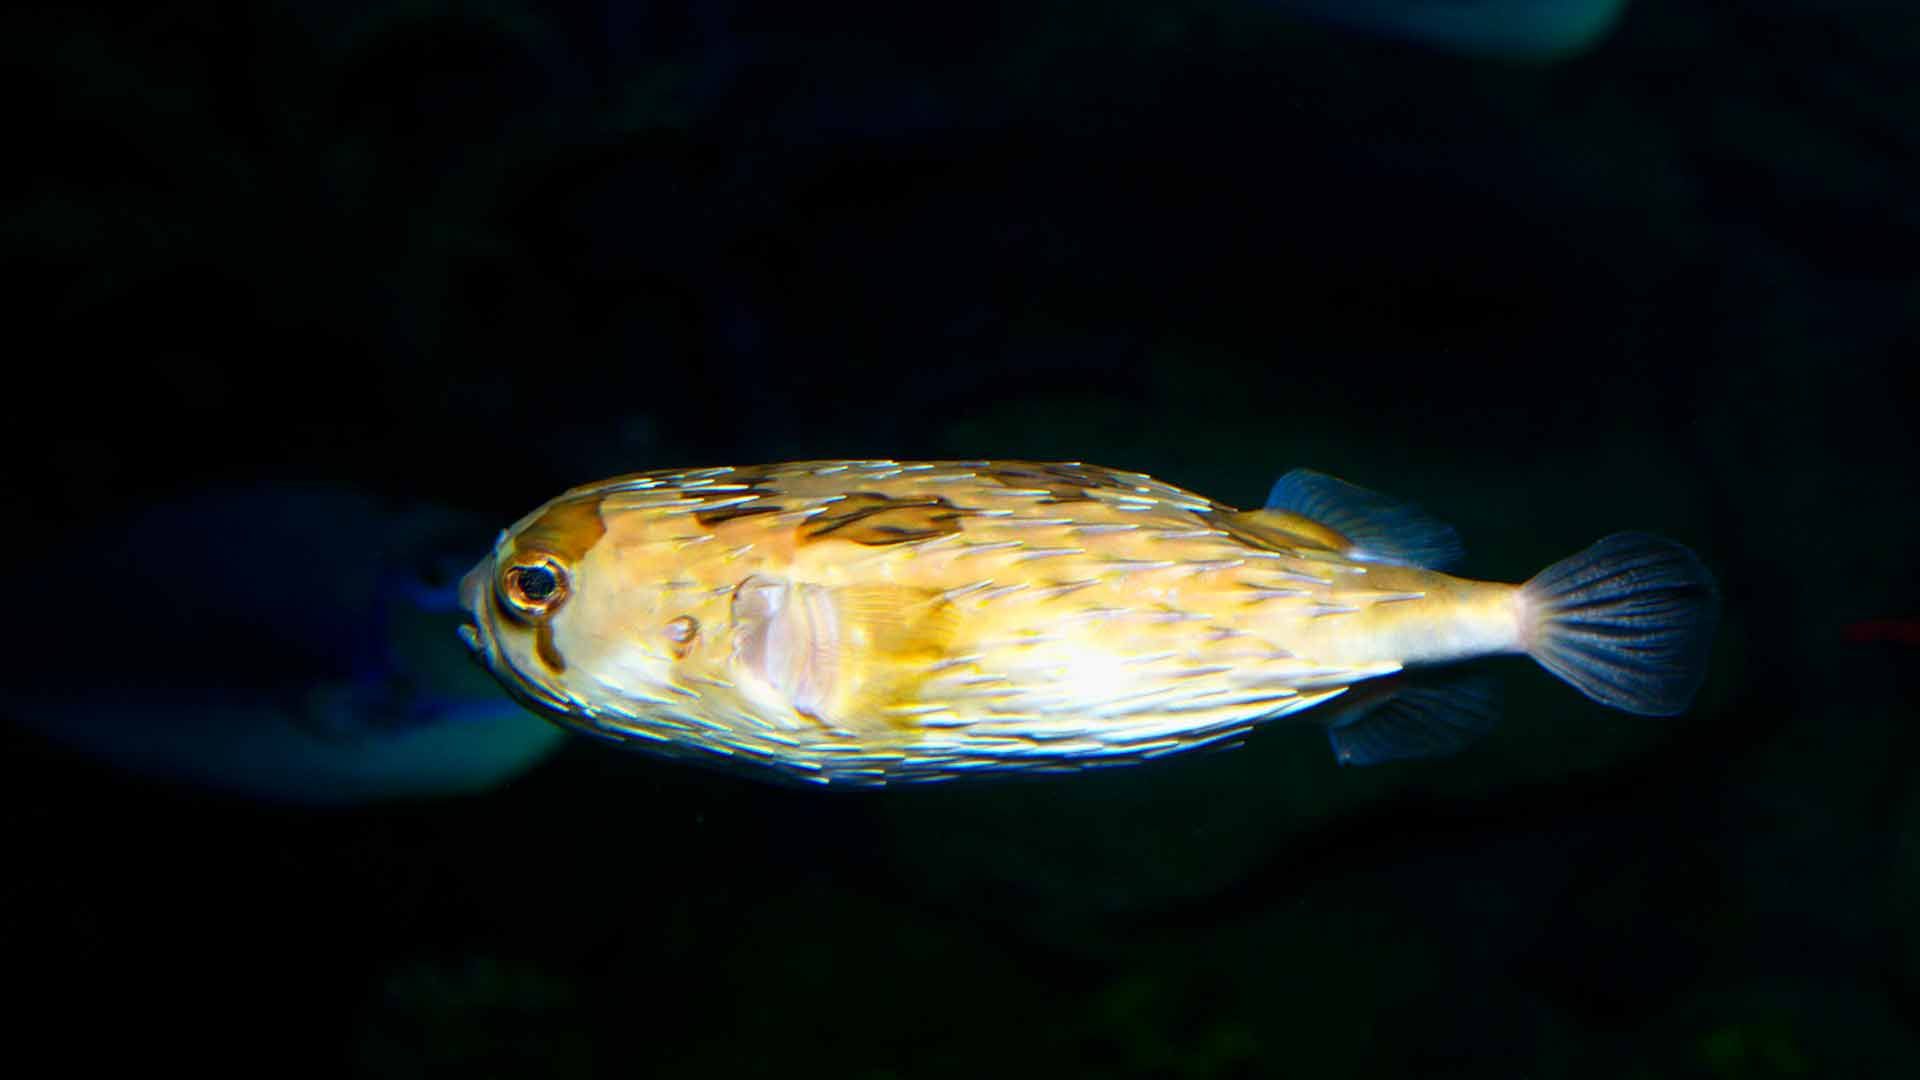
474, 588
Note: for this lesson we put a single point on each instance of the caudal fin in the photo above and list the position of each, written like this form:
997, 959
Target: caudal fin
1628, 622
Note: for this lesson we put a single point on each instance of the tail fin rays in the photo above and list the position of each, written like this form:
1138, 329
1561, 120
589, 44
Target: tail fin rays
1628, 622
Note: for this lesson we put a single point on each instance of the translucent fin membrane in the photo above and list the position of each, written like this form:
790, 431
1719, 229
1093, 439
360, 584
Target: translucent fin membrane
1382, 529
1415, 716
1628, 622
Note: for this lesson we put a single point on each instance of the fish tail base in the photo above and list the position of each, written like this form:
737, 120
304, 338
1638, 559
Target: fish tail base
1628, 622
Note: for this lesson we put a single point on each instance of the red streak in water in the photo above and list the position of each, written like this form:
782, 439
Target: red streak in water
1901, 631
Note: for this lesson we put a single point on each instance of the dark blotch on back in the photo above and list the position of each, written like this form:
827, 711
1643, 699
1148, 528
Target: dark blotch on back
866, 517
760, 485
1063, 483
711, 518
565, 531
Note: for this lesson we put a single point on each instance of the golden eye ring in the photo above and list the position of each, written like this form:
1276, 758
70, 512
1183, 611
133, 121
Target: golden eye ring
532, 589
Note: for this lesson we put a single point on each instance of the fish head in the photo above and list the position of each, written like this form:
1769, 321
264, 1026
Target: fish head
598, 632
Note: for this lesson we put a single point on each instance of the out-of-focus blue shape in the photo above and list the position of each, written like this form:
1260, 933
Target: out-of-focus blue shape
287, 646
1531, 29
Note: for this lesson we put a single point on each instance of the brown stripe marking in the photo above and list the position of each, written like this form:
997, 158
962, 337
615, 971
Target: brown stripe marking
565, 531
1063, 482
546, 650
866, 517
740, 483
710, 518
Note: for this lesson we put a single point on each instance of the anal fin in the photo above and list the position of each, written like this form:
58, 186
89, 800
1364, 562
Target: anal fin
1425, 714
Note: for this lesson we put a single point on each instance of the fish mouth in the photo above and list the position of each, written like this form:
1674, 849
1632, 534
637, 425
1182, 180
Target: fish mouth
470, 637
476, 633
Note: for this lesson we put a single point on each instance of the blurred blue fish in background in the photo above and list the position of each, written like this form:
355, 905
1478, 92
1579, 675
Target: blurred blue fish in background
287, 646
1516, 29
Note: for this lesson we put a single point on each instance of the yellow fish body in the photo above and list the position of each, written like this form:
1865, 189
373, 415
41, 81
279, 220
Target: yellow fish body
867, 622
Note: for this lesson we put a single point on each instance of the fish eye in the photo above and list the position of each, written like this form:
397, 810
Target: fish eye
681, 632
533, 590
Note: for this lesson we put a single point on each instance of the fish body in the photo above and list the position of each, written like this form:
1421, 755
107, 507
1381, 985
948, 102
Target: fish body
866, 622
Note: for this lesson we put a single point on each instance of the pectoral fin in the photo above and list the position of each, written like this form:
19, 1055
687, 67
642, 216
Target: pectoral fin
896, 622
787, 637
838, 656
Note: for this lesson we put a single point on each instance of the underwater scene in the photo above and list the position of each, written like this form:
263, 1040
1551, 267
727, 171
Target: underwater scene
1199, 539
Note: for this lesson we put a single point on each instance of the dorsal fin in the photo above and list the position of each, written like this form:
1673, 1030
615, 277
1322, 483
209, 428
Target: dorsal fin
1381, 529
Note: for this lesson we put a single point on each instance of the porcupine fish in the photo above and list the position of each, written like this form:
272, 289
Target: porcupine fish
873, 622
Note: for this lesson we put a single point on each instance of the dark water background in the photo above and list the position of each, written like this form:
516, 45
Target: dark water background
477, 255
